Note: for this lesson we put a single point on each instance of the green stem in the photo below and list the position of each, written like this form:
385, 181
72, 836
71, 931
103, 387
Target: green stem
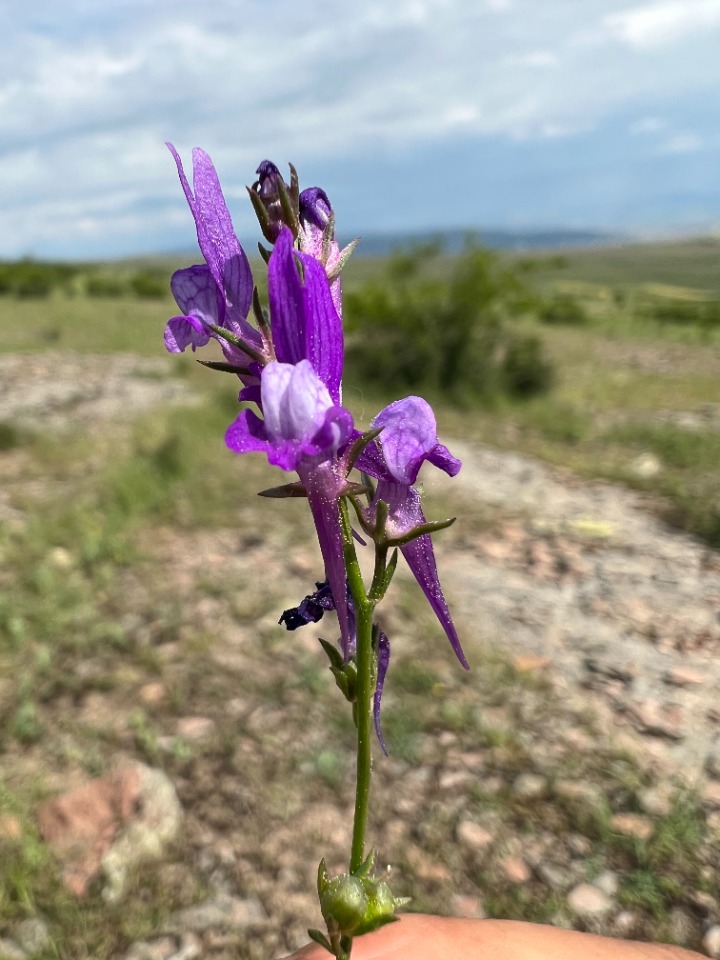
364, 608
364, 656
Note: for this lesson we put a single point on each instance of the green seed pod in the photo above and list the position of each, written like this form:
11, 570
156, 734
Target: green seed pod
343, 903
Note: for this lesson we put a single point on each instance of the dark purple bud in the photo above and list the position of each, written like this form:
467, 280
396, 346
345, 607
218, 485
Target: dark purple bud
276, 204
310, 609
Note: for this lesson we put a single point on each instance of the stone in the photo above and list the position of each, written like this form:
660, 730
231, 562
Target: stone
588, 901
711, 941
712, 762
625, 924
455, 780
580, 791
515, 870
154, 825
195, 729
655, 801
161, 949
10, 827
652, 718
683, 677
226, 911
9, 950
608, 882
81, 825
682, 926
474, 836
528, 786
152, 693
633, 825
32, 935
467, 905
646, 465
554, 876
711, 796
578, 844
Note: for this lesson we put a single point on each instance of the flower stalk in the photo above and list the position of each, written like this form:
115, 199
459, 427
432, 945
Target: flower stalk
289, 364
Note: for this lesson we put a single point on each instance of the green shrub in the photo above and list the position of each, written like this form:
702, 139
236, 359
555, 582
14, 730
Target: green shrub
149, 285
562, 309
525, 371
417, 329
99, 286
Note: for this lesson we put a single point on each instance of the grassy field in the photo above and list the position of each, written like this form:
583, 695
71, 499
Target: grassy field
129, 555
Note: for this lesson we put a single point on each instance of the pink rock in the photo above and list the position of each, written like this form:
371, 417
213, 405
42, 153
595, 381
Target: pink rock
683, 677
515, 870
711, 796
472, 835
195, 728
152, 693
81, 825
632, 825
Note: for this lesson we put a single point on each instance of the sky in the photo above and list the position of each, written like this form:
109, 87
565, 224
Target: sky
412, 114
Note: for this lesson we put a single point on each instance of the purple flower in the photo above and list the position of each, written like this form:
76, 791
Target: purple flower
303, 430
303, 319
301, 427
315, 214
218, 292
408, 439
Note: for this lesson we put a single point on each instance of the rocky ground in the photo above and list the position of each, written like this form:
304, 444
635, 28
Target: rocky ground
567, 778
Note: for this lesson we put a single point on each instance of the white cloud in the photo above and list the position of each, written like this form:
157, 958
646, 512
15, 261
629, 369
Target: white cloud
682, 143
666, 22
647, 126
86, 103
536, 60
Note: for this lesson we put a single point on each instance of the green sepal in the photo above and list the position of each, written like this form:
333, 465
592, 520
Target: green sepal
225, 367
432, 526
294, 489
345, 255
322, 877
344, 672
319, 937
367, 866
261, 315
334, 655
294, 186
247, 348
359, 444
264, 252
260, 212
291, 216
327, 239
390, 570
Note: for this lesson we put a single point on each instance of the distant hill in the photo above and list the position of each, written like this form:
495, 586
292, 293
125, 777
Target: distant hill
452, 241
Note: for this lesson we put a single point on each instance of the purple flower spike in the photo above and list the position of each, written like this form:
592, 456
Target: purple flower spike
408, 439
382, 666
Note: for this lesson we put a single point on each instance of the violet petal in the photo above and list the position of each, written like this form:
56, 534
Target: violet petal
305, 324
382, 666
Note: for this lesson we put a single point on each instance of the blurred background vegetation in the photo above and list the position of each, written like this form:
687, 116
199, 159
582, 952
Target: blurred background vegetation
604, 361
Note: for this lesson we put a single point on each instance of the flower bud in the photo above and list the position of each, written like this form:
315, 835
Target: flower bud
276, 204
